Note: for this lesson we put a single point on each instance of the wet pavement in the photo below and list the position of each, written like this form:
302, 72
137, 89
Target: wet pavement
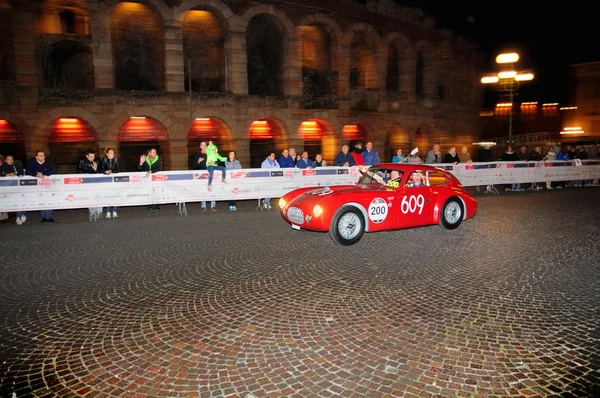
239, 304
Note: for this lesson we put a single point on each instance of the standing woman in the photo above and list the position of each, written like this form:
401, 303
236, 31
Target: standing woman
232, 163
110, 165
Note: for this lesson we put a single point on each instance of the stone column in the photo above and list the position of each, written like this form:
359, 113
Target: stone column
174, 59
241, 146
179, 155
237, 63
101, 45
343, 65
292, 68
24, 40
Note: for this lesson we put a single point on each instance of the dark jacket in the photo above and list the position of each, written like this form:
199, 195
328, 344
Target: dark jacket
46, 168
340, 159
85, 167
113, 165
153, 167
15, 168
202, 164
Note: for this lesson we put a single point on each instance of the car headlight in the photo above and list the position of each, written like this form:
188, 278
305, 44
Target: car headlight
282, 203
317, 211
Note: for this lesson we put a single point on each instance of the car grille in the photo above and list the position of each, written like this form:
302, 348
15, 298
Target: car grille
295, 215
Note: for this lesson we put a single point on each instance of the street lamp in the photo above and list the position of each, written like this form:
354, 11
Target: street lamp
508, 81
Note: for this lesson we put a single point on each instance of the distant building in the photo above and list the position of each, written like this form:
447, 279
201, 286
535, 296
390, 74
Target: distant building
252, 75
584, 112
533, 123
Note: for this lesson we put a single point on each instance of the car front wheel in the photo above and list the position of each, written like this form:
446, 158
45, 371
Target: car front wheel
347, 226
452, 213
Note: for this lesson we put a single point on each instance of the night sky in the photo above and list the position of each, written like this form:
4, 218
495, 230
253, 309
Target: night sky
548, 38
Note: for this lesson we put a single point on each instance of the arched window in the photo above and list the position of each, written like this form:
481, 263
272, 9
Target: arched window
265, 51
392, 80
204, 51
137, 41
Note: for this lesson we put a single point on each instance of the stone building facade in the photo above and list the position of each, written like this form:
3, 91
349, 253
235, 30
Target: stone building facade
251, 75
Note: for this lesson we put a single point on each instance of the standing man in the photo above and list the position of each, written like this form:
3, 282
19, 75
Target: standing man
40, 168
151, 164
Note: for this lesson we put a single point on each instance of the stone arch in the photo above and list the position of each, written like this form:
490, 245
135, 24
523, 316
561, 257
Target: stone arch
364, 44
113, 130
64, 155
266, 56
274, 115
217, 7
68, 64
222, 135
425, 66
159, 7
280, 138
399, 64
138, 46
45, 120
319, 49
324, 20
445, 86
286, 24
19, 147
204, 35
328, 145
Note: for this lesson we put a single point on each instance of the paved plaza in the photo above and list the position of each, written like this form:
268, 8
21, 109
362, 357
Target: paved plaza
240, 305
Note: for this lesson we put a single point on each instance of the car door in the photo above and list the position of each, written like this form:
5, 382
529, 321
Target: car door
415, 205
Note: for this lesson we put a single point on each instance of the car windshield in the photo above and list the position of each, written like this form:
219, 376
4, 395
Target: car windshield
380, 176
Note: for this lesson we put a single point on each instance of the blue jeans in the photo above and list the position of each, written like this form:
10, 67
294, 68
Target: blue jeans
211, 170
20, 213
212, 204
47, 214
110, 208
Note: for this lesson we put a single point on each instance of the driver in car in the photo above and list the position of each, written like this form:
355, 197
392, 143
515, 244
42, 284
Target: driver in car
416, 180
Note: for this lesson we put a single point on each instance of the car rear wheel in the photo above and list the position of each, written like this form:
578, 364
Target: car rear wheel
452, 213
347, 226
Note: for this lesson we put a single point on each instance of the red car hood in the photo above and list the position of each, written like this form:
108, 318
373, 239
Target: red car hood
314, 196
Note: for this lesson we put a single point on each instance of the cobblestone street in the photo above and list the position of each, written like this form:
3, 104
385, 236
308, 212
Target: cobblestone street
240, 305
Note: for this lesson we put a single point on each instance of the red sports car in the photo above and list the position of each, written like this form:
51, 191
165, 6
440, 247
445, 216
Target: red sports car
386, 197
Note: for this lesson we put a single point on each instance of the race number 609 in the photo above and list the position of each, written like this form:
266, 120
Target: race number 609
412, 203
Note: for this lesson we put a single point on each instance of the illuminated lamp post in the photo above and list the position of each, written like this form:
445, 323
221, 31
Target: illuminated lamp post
508, 81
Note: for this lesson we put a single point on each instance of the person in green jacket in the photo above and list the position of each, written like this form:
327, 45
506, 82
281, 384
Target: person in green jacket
212, 157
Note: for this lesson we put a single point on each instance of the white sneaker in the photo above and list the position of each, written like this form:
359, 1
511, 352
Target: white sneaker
23, 218
108, 214
3, 216
115, 214
19, 221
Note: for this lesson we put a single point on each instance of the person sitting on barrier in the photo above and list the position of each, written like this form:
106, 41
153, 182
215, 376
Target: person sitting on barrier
212, 156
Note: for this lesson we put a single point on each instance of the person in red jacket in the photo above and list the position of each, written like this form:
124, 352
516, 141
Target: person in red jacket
357, 154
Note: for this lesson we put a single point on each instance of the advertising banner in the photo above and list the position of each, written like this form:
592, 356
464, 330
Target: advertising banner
132, 189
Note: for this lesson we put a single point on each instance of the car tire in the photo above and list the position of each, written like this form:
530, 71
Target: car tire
347, 226
452, 214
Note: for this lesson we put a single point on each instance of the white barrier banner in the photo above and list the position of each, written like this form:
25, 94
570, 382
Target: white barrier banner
133, 189
192, 186
473, 174
74, 191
